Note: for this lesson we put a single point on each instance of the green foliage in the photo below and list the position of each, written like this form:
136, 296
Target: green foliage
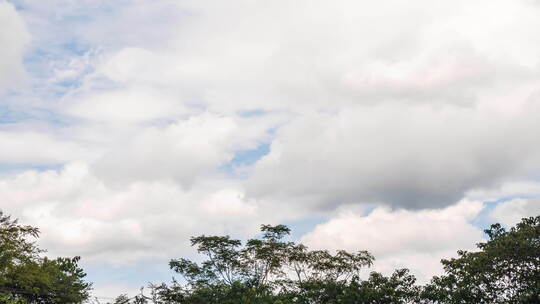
399, 288
270, 270
14, 247
26, 278
506, 269
265, 270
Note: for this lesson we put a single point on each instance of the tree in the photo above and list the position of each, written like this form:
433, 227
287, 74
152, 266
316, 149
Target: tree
262, 271
506, 269
399, 288
271, 270
27, 278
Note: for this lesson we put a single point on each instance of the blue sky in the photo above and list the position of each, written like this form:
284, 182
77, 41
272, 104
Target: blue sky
126, 127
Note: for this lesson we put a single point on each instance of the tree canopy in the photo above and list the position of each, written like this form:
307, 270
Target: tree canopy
27, 278
504, 269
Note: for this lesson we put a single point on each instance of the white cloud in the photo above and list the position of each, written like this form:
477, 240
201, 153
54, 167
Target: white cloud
512, 189
13, 38
406, 155
127, 105
511, 212
97, 22
79, 215
184, 151
21, 147
400, 238
410, 104
412, 118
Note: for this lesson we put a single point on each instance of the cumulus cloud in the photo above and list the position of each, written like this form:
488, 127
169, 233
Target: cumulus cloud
88, 19
507, 190
184, 151
511, 212
404, 105
412, 156
20, 147
13, 37
80, 215
414, 126
124, 106
400, 238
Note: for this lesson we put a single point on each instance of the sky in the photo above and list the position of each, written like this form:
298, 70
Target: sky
399, 127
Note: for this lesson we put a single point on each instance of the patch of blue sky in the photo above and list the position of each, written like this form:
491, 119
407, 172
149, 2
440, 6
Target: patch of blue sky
43, 61
11, 115
301, 227
15, 168
533, 176
69, 83
76, 47
367, 209
79, 18
484, 220
88, 8
132, 276
245, 158
249, 157
54, 75
251, 113
55, 44
19, 6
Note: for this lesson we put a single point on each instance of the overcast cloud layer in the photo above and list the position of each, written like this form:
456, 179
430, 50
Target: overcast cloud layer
403, 128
